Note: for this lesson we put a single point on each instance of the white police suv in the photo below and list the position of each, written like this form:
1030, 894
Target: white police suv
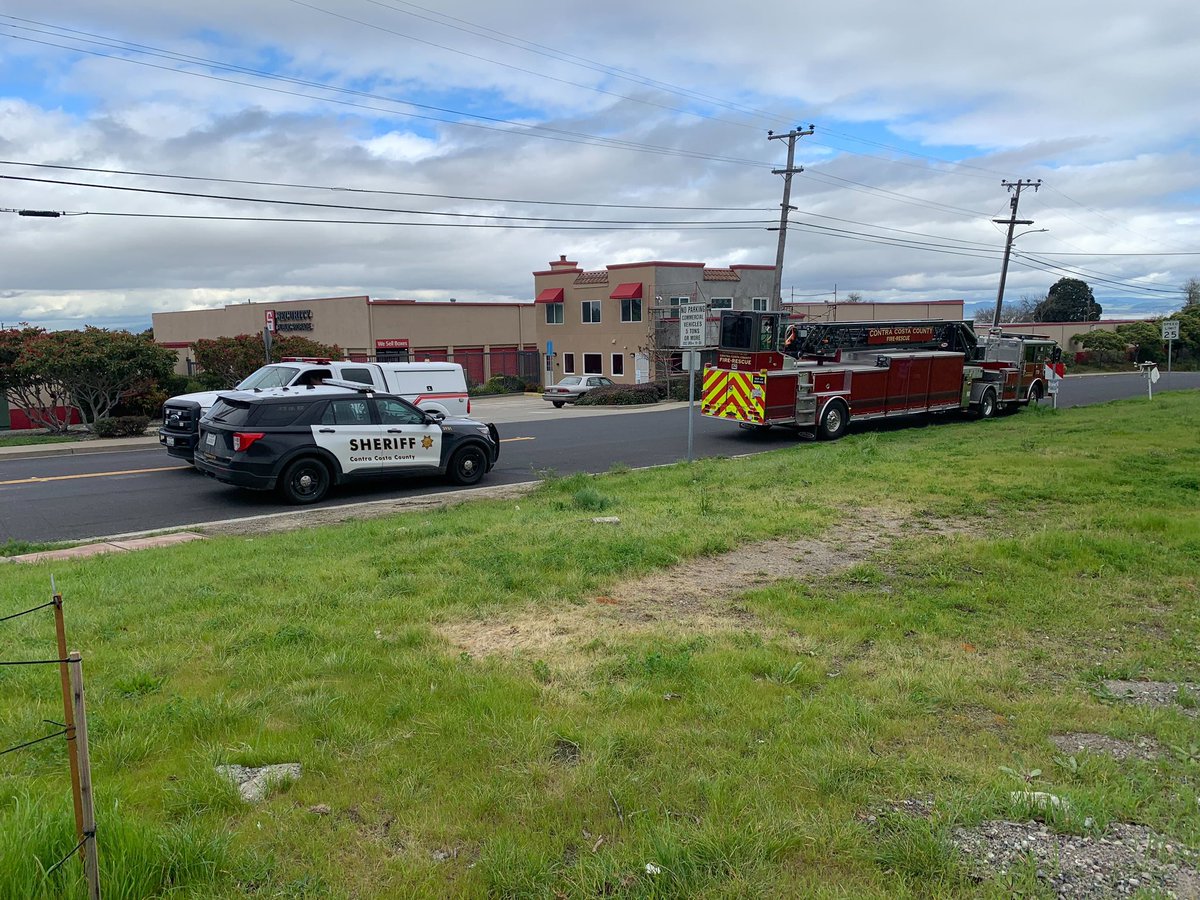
303, 441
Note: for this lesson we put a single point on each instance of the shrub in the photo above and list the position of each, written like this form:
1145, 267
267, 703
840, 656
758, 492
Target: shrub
677, 388
121, 426
622, 395
500, 384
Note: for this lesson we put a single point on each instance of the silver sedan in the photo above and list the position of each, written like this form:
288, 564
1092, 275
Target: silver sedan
572, 387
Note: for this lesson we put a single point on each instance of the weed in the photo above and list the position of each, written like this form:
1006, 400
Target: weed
591, 500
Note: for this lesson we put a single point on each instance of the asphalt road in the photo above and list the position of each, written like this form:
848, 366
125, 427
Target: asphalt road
60, 498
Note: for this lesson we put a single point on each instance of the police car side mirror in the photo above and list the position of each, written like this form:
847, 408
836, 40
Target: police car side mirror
433, 417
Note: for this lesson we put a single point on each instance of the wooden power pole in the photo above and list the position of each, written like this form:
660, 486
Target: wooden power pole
785, 206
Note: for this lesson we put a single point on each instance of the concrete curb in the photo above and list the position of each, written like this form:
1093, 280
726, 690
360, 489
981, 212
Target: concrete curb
103, 445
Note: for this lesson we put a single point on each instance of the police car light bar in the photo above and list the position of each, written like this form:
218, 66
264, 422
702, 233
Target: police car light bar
349, 385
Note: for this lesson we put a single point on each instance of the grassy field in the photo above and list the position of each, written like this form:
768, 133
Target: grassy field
1047, 551
27, 438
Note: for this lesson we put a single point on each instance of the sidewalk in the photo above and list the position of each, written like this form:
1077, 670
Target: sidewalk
87, 445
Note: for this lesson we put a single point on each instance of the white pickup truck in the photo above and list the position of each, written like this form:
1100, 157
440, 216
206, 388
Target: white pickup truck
433, 386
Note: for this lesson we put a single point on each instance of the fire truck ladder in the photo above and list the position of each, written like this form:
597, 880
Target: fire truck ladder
825, 339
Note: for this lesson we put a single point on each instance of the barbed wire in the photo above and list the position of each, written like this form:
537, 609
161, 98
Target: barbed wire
26, 612
87, 836
35, 741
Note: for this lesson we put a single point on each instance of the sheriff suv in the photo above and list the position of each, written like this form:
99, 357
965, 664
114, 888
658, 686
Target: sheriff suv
302, 442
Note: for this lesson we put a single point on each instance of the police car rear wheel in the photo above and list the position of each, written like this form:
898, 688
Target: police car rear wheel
305, 481
468, 465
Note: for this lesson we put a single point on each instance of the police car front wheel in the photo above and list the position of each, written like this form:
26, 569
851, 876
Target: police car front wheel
468, 465
305, 481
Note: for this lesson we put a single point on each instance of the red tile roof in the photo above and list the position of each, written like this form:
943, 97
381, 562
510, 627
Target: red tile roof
721, 275
598, 277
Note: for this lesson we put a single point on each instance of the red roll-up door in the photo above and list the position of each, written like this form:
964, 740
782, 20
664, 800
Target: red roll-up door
429, 354
471, 359
504, 361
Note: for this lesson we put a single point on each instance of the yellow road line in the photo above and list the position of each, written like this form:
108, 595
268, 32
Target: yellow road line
36, 480
508, 440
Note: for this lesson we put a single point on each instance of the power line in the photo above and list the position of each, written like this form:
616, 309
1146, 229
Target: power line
318, 187
894, 195
544, 132
497, 62
346, 206
567, 227
572, 59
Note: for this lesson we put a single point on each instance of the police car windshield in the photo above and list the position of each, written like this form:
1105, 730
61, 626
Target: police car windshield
269, 377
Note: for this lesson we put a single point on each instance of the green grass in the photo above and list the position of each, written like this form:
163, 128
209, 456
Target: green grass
25, 438
735, 761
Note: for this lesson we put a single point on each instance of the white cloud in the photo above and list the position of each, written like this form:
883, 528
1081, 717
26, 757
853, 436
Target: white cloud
1098, 105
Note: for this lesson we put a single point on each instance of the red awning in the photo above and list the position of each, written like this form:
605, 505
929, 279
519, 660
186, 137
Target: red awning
629, 291
550, 295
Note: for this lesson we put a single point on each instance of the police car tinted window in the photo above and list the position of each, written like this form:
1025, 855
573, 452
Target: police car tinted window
346, 412
229, 413
397, 412
276, 415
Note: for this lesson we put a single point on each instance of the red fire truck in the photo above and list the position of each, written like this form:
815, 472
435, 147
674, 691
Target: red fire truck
843, 371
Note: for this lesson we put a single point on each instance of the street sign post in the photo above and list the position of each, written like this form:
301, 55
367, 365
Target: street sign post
1170, 334
691, 335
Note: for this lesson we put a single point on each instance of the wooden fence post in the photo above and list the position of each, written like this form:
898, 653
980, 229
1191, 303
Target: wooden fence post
91, 862
68, 714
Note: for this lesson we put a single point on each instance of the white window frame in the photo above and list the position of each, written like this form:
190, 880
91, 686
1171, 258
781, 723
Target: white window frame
557, 308
583, 307
599, 360
618, 365
680, 301
627, 309
721, 303
760, 304
569, 363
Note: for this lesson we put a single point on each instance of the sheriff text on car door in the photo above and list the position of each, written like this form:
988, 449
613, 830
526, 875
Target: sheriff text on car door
408, 440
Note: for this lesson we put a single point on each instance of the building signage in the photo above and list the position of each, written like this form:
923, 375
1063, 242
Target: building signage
292, 319
270, 314
391, 343
905, 334
691, 324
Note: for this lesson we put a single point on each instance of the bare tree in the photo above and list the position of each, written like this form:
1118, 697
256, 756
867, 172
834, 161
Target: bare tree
1017, 311
853, 297
1191, 293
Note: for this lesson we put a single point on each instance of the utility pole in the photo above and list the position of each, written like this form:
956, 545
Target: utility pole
1012, 221
785, 206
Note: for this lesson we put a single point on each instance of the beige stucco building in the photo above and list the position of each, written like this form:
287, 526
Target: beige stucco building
485, 338
603, 321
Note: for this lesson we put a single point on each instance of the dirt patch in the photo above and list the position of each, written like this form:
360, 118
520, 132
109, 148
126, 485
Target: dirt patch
1127, 859
1082, 742
1159, 694
699, 596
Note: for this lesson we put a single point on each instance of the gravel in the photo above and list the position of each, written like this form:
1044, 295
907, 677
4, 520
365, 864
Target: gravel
1082, 742
1124, 861
1154, 693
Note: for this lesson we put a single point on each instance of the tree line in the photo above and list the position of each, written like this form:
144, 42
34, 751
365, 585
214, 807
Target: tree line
99, 373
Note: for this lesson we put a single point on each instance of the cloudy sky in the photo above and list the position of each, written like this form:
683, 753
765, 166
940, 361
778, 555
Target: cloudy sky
378, 146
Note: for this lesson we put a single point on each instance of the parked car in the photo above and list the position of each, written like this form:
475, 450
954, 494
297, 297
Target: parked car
572, 387
303, 442
435, 387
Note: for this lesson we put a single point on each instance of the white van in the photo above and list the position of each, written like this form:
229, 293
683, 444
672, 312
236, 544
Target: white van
433, 386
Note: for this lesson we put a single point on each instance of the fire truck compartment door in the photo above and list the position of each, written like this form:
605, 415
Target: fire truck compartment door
897, 385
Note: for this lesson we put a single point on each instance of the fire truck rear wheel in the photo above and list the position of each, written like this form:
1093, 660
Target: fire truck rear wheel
1036, 392
987, 404
834, 420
